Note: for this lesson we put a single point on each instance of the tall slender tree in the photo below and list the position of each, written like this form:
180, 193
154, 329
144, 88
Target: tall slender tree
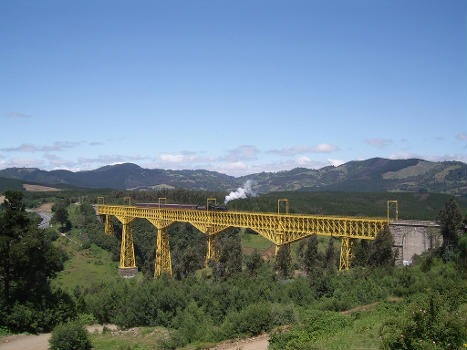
450, 220
309, 256
381, 252
27, 257
283, 263
330, 256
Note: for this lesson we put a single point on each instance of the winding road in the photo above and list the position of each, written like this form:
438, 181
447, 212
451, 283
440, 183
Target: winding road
46, 217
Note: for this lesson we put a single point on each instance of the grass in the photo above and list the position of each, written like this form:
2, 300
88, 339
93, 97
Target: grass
254, 241
323, 242
139, 338
363, 334
85, 268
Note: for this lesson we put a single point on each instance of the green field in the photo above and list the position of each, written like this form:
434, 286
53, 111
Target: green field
254, 241
136, 338
84, 268
360, 330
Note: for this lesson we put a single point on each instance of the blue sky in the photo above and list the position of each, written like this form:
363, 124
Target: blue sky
233, 86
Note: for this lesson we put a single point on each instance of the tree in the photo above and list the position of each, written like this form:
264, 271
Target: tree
230, 254
187, 262
70, 336
284, 262
12, 224
61, 216
254, 262
426, 323
330, 256
360, 254
381, 253
27, 261
450, 220
309, 256
87, 214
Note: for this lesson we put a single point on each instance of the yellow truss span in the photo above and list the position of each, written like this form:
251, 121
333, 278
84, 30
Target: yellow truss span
278, 228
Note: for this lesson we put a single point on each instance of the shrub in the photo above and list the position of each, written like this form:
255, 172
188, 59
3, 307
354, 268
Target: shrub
316, 324
283, 314
426, 324
193, 324
26, 316
252, 320
70, 336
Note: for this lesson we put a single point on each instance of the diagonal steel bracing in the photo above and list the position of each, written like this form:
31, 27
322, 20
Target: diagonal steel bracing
278, 228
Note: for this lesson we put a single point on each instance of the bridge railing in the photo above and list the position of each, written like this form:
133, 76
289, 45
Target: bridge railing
278, 228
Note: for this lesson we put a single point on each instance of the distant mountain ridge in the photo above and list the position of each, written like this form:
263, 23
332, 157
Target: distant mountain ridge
371, 175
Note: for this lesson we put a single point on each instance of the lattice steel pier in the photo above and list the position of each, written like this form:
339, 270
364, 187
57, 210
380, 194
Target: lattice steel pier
278, 228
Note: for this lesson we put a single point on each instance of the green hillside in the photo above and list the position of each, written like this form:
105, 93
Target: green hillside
371, 175
10, 184
422, 206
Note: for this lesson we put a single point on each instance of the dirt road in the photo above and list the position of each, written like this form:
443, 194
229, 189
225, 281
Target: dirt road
41, 341
260, 342
25, 342
38, 342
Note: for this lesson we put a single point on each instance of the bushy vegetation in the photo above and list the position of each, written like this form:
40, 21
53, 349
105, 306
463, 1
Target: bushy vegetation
28, 261
315, 324
243, 295
430, 321
70, 336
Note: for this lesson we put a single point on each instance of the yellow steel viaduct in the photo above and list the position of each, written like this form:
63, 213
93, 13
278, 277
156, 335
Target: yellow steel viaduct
279, 228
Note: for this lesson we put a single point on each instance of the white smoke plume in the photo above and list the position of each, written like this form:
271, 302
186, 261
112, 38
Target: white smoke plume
242, 192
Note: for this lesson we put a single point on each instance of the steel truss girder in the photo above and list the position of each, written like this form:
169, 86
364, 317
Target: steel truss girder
127, 251
109, 229
212, 252
163, 263
346, 253
278, 228
277, 247
212, 232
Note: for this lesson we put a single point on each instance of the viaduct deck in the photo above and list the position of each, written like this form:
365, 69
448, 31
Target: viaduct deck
281, 229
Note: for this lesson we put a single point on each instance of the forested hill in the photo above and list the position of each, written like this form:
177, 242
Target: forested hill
372, 175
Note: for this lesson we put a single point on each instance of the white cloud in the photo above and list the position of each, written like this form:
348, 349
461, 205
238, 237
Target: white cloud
431, 158
295, 150
291, 151
54, 160
324, 148
236, 166
336, 162
446, 157
18, 115
379, 142
462, 136
22, 163
109, 159
173, 158
304, 161
244, 152
55, 147
184, 157
403, 155
25, 147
